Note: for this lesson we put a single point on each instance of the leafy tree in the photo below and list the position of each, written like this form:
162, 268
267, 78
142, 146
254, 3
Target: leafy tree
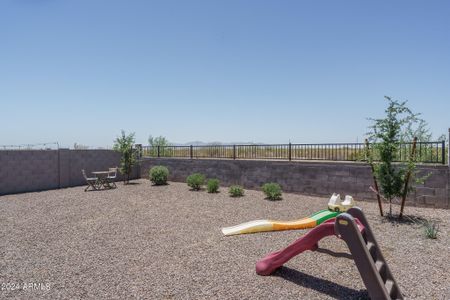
423, 134
160, 142
419, 129
77, 146
387, 133
124, 145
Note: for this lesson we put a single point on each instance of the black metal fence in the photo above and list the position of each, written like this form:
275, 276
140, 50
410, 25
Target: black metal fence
426, 152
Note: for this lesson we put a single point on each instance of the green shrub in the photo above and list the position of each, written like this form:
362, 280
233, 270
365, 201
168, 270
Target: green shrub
196, 181
236, 191
158, 175
212, 185
272, 191
431, 229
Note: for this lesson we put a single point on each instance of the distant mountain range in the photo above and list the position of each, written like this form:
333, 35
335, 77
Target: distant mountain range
200, 143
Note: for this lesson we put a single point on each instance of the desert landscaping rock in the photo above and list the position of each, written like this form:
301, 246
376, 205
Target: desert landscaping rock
164, 242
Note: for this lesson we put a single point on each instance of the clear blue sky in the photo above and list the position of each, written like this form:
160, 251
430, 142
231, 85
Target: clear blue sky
261, 71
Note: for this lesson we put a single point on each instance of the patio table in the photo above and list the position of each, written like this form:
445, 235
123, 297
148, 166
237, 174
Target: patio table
101, 177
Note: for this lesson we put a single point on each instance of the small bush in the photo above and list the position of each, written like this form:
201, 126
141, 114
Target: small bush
431, 229
212, 186
236, 191
272, 191
158, 175
196, 181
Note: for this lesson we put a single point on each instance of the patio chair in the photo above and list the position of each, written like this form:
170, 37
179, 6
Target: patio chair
112, 175
91, 181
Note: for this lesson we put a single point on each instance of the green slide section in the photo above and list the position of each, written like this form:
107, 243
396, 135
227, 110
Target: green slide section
323, 215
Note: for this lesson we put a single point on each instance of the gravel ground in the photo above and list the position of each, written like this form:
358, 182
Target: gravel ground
149, 242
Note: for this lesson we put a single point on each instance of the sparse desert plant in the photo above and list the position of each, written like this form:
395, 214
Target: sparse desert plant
431, 229
124, 145
272, 190
158, 175
386, 135
195, 181
236, 191
159, 146
212, 185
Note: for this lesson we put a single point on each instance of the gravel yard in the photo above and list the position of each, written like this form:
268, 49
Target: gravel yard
164, 242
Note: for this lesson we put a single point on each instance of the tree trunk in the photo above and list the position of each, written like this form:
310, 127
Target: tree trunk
408, 175
375, 182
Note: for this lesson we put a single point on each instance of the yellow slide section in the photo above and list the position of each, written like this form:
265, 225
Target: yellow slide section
292, 225
269, 225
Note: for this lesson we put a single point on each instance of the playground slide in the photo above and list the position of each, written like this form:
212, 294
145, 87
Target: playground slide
273, 261
272, 225
309, 241
353, 228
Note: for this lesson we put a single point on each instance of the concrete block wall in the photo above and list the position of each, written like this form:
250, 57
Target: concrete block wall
313, 178
435, 191
28, 171
89, 160
37, 170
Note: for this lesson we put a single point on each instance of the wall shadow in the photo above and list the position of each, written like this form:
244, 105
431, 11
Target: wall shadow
132, 182
335, 254
323, 286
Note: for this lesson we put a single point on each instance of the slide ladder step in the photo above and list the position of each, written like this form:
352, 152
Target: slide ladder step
391, 287
372, 250
368, 257
381, 268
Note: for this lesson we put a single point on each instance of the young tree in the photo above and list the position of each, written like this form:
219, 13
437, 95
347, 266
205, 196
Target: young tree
420, 131
158, 142
77, 146
386, 134
124, 145
423, 134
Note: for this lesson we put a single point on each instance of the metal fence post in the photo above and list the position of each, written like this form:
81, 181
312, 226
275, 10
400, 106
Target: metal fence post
191, 151
290, 151
234, 151
158, 151
59, 168
443, 152
139, 150
448, 161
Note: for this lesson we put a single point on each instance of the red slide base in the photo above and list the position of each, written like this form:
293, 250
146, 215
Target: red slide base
273, 261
